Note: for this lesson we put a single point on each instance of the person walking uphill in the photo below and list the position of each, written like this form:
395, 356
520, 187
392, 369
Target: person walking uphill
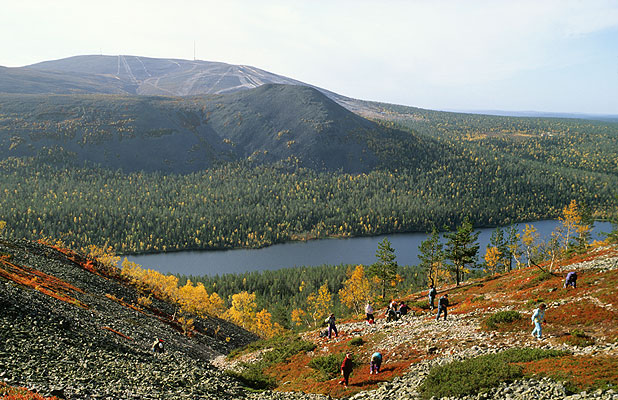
376, 363
571, 280
346, 369
331, 325
432, 296
369, 313
538, 316
442, 306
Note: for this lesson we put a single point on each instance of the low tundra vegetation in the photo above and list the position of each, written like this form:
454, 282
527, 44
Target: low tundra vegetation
471, 376
276, 350
501, 319
328, 365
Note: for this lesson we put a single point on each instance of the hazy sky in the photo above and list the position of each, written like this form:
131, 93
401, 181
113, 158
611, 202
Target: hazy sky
467, 55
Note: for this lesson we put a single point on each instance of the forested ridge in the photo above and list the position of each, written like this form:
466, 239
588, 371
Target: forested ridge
246, 205
561, 142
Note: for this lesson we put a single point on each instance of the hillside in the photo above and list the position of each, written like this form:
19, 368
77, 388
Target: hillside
180, 135
69, 329
76, 333
581, 144
576, 359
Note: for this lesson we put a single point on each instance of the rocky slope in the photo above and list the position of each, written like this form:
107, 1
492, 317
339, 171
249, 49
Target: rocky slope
81, 335
417, 343
71, 332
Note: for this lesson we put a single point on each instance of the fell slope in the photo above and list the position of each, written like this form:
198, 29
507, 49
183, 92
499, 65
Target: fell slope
68, 329
180, 135
583, 322
134, 75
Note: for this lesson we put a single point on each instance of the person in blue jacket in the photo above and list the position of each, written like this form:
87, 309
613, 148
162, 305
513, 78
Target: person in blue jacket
538, 317
376, 363
571, 280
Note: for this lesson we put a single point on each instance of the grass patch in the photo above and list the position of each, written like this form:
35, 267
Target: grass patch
328, 366
471, 376
578, 338
282, 349
253, 377
500, 319
423, 305
357, 341
541, 276
534, 302
284, 346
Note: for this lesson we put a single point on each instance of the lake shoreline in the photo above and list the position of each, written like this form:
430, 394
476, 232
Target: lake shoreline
331, 251
314, 238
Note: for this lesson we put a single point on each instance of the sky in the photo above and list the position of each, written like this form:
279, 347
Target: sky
520, 55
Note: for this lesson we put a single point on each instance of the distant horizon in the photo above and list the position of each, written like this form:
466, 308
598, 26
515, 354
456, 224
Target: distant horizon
553, 56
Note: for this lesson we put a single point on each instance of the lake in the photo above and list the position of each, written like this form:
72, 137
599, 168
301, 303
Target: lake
360, 250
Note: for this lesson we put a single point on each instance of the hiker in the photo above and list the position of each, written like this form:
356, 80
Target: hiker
157, 346
571, 280
369, 314
432, 297
331, 325
538, 317
442, 306
376, 363
403, 309
391, 312
346, 370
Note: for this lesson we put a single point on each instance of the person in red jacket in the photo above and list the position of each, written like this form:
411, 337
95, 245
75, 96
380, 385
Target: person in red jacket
346, 370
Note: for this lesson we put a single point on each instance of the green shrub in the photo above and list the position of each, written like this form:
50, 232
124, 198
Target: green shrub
478, 298
501, 318
284, 346
467, 377
579, 338
541, 277
253, 377
329, 366
357, 341
423, 305
534, 302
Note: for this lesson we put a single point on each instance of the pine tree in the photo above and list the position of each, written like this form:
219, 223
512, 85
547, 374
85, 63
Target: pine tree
385, 269
432, 257
462, 249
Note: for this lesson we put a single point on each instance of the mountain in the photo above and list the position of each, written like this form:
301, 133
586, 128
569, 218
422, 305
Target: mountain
133, 75
173, 134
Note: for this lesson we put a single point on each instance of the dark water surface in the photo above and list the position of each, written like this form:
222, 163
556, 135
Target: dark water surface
316, 252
